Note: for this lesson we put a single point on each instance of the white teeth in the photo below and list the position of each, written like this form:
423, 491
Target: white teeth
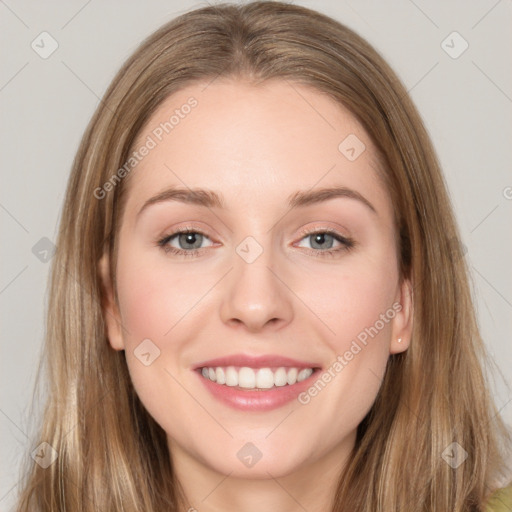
304, 374
231, 376
252, 378
264, 378
246, 378
292, 376
280, 377
221, 376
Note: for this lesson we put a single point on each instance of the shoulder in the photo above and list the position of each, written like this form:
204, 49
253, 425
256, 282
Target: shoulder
500, 501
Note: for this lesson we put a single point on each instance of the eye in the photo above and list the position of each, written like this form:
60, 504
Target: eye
186, 242
326, 242
189, 242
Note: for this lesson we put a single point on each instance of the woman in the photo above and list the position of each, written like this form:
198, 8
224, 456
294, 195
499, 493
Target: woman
265, 301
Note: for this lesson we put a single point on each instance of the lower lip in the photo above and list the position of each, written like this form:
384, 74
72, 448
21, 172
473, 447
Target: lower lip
254, 400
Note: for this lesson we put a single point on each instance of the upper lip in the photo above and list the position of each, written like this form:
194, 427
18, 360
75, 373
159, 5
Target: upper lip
263, 361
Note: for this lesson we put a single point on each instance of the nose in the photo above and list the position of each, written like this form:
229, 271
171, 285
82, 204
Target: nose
256, 297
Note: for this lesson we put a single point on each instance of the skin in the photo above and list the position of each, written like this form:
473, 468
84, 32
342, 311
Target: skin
257, 145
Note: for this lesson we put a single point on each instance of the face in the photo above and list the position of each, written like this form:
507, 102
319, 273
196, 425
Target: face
257, 338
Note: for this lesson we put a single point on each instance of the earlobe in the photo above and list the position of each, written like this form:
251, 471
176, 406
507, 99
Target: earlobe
110, 310
403, 321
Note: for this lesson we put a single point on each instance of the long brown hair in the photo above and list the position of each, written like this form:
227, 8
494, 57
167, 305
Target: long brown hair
111, 454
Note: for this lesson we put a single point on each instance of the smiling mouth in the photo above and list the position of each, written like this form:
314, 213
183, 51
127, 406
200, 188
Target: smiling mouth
255, 379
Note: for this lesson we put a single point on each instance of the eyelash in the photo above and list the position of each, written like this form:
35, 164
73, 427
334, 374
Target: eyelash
347, 243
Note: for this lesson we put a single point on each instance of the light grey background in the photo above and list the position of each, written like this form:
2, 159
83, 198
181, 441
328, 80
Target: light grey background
46, 103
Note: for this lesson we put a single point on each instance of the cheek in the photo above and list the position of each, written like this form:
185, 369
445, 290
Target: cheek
157, 304
155, 297
356, 303
162, 301
354, 299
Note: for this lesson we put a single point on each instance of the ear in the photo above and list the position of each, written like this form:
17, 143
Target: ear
403, 320
110, 309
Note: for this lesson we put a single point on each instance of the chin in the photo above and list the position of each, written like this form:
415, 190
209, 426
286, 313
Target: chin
254, 460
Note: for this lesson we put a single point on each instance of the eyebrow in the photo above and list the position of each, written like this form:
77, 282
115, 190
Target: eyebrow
211, 199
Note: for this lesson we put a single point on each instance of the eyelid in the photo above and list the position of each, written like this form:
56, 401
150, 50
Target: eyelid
184, 228
302, 233
324, 229
165, 238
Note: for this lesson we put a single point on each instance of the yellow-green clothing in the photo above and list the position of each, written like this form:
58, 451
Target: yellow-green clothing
500, 501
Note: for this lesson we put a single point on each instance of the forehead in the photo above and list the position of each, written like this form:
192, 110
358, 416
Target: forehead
252, 142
